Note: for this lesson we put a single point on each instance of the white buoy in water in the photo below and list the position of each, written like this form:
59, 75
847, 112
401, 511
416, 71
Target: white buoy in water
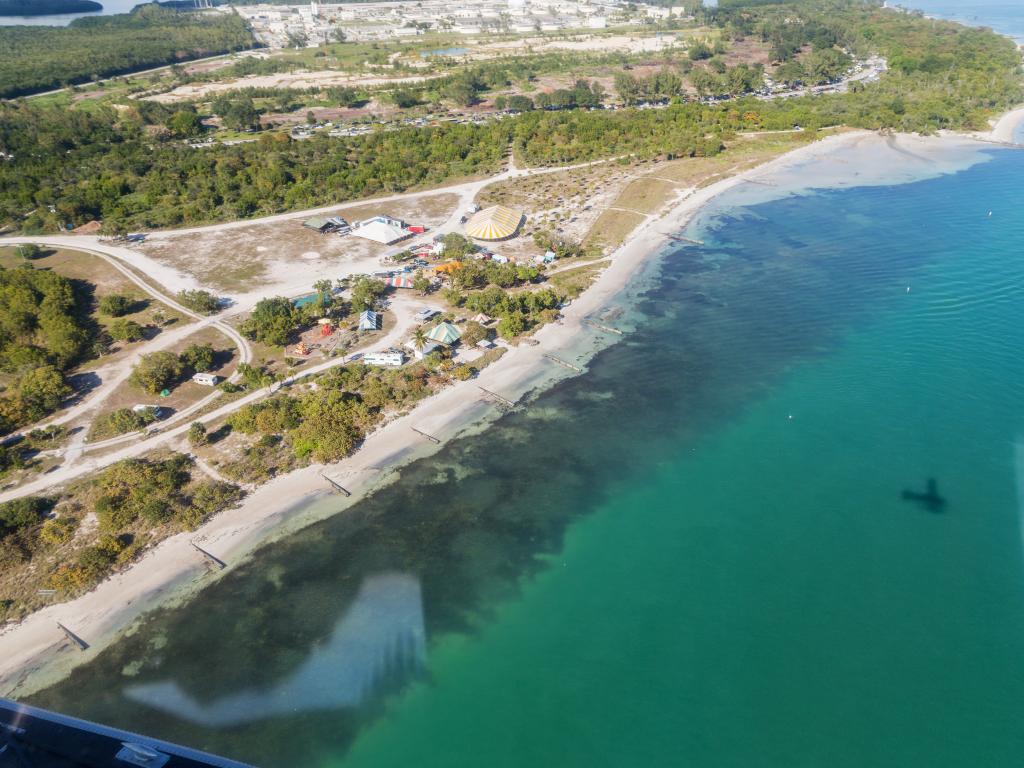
791, 417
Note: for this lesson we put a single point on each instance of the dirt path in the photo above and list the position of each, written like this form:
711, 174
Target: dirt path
78, 465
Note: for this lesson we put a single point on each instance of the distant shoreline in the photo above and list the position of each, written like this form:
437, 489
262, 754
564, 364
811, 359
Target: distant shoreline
47, 7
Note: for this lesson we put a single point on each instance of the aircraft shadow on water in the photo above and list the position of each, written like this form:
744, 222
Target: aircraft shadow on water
930, 499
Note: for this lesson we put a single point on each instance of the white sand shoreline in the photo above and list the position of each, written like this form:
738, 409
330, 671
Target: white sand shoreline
1005, 127
34, 654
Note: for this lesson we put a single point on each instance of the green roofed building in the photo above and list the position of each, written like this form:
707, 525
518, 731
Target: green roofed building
317, 224
444, 333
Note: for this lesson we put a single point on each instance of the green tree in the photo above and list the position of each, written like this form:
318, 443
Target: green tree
40, 392
29, 251
365, 292
419, 338
511, 325
157, 371
197, 434
116, 305
21, 513
202, 302
123, 329
421, 282
198, 358
120, 422
185, 123
272, 321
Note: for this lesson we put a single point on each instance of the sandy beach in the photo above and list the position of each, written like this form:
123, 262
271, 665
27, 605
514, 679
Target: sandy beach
1006, 126
34, 653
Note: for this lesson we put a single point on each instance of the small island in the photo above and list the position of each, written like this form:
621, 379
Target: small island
47, 7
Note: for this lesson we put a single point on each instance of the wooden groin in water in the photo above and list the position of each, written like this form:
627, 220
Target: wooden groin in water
336, 485
605, 328
423, 434
210, 558
687, 240
496, 396
79, 642
563, 363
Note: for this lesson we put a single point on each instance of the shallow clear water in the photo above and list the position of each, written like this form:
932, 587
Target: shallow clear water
1004, 16
698, 553
63, 19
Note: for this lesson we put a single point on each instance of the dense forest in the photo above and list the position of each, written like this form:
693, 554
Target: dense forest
44, 331
112, 165
39, 58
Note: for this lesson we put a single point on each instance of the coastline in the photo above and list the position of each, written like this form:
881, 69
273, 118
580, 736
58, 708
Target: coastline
33, 654
1005, 127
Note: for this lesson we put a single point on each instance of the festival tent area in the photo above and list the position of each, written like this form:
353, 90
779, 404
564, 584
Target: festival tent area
400, 281
382, 229
495, 223
369, 320
444, 333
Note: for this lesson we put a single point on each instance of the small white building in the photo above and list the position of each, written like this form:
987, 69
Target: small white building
206, 379
392, 357
421, 352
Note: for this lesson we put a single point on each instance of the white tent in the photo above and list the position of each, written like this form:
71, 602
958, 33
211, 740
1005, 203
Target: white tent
381, 230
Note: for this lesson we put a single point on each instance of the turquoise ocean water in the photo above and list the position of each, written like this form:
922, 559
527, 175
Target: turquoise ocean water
697, 554
1004, 16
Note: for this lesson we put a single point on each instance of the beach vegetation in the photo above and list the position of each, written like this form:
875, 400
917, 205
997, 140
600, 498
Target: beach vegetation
120, 422
203, 302
197, 435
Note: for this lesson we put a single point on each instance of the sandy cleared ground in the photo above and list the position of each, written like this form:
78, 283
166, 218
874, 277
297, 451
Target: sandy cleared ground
279, 255
567, 202
298, 80
601, 43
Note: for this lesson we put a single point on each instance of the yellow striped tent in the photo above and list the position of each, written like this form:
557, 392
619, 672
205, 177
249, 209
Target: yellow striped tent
494, 223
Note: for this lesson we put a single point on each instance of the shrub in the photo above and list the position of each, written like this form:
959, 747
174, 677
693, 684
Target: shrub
197, 434
136, 488
120, 422
58, 531
21, 513
203, 302
473, 332
208, 499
